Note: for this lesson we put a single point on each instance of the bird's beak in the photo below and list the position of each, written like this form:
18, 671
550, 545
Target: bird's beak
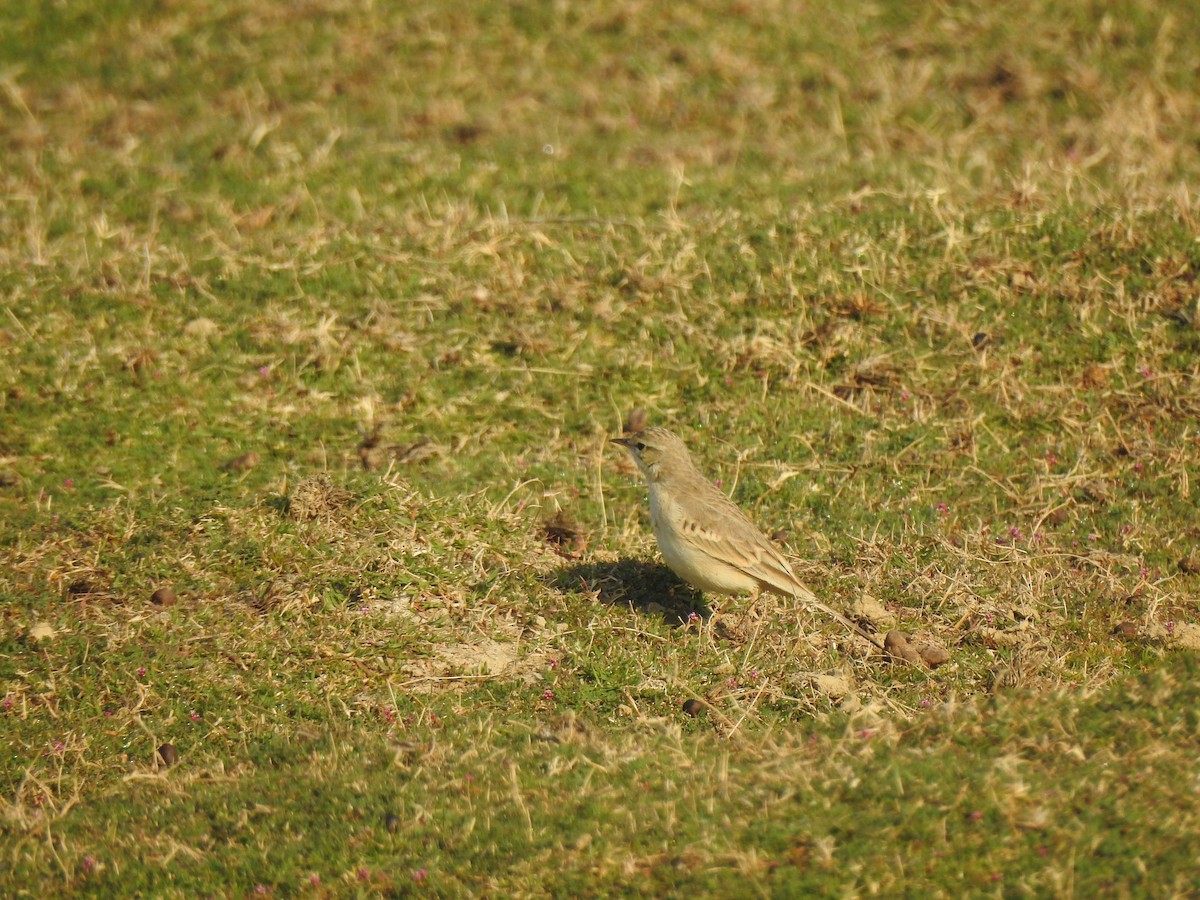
622, 442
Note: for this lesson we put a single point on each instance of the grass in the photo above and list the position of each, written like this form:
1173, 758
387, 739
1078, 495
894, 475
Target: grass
321, 317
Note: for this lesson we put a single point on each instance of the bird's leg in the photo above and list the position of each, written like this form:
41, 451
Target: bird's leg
753, 612
733, 626
711, 623
754, 597
756, 615
719, 626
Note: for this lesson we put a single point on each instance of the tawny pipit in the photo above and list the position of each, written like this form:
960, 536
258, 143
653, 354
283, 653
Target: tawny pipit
704, 536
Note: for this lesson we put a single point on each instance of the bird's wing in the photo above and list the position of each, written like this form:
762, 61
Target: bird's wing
726, 533
739, 542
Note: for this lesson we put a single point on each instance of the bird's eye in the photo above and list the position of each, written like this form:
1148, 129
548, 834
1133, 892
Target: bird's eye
640, 446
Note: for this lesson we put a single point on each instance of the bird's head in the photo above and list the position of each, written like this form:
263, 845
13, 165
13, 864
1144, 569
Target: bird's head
655, 450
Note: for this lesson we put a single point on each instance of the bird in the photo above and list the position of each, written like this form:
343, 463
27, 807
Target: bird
706, 538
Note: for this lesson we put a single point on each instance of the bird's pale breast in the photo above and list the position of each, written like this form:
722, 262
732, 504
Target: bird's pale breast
686, 558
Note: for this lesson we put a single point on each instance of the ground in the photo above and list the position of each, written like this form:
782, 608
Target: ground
319, 575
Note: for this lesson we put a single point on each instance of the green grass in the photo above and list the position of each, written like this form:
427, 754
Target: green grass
918, 287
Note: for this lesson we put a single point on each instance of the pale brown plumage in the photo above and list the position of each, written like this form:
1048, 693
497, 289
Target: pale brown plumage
704, 536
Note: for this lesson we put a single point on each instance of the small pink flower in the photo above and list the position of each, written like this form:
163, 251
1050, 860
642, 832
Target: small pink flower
693, 617
925, 704
364, 874
420, 875
975, 815
89, 863
141, 672
943, 508
1051, 459
1170, 630
547, 694
1014, 532
1146, 372
68, 483
314, 879
8, 702
260, 889
1093, 537
59, 746
195, 717
264, 371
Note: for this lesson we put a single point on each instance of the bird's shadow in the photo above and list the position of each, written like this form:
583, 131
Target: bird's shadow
649, 588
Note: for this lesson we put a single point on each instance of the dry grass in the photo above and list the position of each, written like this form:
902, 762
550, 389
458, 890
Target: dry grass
321, 316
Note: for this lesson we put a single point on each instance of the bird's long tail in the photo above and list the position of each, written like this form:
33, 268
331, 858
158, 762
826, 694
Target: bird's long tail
808, 598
